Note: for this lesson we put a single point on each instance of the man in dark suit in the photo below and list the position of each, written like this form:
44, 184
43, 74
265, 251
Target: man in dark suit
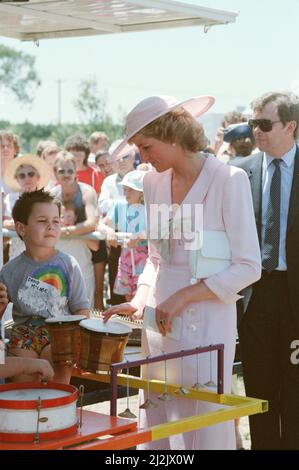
270, 325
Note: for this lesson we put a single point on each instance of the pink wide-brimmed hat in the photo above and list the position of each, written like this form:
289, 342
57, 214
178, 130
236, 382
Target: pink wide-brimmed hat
149, 109
123, 151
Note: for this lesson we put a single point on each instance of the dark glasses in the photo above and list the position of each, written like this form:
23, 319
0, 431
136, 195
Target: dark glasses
22, 176
265, 125
61, 171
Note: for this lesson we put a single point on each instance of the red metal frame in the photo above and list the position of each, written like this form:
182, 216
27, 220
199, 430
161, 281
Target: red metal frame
165, 357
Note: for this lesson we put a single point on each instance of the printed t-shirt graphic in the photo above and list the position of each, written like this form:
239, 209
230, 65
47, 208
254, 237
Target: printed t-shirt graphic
46, 288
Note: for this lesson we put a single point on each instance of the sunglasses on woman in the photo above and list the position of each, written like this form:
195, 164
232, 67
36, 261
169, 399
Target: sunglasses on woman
22, 176
61, 171
265, 125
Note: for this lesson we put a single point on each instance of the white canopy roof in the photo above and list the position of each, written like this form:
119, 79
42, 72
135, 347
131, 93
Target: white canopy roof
39, 19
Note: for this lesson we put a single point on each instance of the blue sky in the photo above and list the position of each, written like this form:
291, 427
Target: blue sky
235, 63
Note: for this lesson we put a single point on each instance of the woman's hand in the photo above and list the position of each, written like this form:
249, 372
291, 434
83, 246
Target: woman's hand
127, 308
167, 310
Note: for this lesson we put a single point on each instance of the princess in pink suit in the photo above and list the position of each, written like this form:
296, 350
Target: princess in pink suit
169, 137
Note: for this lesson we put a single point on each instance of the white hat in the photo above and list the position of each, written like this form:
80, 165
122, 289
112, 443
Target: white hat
36, 162
134, 179
150, 109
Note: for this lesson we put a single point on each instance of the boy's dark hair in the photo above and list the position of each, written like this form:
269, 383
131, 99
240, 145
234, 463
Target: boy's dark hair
78, 143
23, 206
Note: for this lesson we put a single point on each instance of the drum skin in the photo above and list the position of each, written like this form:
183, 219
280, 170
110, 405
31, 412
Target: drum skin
19, 414
101, 346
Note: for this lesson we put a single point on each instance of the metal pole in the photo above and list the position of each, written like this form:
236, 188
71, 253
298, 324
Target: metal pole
220, 370
59, 82
113, 391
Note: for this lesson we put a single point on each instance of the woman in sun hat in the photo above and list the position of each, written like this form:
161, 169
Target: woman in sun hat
23, 174
185, 182
128, 215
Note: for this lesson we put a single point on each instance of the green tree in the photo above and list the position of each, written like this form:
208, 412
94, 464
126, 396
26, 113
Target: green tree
17, 73
91, 102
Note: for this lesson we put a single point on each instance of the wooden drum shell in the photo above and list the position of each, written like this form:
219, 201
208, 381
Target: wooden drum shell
100, 348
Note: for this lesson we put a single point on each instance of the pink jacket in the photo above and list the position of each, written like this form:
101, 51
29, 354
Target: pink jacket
225, 194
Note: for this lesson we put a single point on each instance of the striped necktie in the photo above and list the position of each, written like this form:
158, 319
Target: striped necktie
270, 255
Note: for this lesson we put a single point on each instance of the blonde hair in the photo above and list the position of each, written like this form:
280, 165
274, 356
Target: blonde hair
12, 138
49, 149
96, 136
176, 126
64, 156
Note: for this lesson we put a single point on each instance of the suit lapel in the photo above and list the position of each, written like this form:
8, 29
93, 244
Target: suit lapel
255, 176
294, 198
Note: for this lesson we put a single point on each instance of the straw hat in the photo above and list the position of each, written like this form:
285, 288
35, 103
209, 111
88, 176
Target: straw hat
38, 163
149, 109
134, 179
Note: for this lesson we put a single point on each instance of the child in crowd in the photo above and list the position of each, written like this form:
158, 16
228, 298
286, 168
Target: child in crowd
41, 282
80, 249
129, 216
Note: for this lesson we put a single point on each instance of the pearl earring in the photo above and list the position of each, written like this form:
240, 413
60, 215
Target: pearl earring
173, 144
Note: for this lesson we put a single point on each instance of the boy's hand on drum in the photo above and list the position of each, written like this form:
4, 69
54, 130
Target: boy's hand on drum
126, 308
40, 367
3, 298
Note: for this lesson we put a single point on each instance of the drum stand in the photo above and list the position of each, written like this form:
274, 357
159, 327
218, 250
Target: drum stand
235, 406
103, 432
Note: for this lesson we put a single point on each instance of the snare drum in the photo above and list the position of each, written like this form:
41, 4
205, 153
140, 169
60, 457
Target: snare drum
32, 411
102, 344
65, 338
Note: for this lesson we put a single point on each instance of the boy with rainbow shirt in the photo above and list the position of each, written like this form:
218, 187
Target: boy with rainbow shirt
41, 282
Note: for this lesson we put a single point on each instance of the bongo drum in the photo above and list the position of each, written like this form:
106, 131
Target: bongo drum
102, 344
31, 411
65, 338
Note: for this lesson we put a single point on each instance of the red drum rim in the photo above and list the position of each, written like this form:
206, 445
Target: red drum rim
31, 404
42, 436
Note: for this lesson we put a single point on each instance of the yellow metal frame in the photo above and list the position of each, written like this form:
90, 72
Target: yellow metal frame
237, 406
